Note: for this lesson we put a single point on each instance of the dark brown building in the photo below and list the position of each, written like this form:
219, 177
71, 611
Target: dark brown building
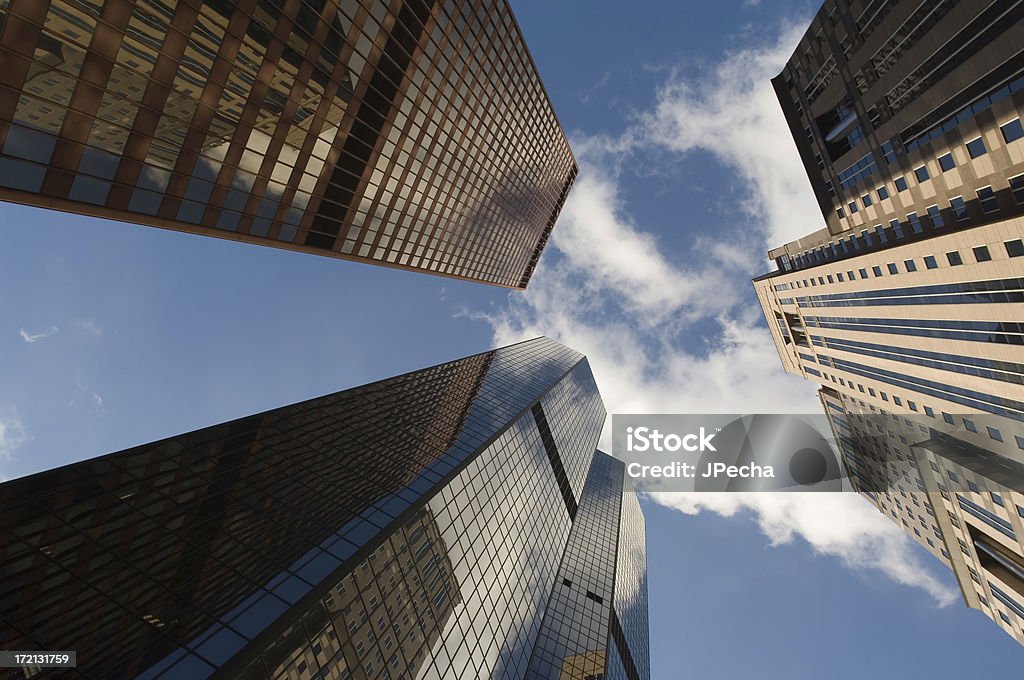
905, 114
412, 133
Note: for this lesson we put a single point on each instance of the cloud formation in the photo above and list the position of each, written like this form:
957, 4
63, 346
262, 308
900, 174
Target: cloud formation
671, 332
12, 434
90, 326
31, 338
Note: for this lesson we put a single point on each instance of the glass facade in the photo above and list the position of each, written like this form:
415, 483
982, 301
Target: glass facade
413, 133
410, 528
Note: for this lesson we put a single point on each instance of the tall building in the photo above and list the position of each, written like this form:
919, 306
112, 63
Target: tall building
411, 133
453, 522
906, 308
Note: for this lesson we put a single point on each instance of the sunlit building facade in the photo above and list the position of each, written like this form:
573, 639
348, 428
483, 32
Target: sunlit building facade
423, 526
413, 134
908, 307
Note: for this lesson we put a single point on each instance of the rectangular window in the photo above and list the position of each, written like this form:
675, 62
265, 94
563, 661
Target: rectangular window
880, 233
901, 183
915, 223
976, 148
948, 418
897, 230
839, 213
892, 268
852, 205
850, 276
1012, 131
863, 273
866, 200
921, 173
981, 254
969, 424
839, 275
910, 265
954, 258
882, 192
946, 162
877, 271
1014, 248
929, 262
1017, 188
896, 400
959, 207
995, 434
936, 216
988, 199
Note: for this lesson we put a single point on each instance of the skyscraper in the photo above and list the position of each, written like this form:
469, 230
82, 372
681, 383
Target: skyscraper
907, 307
413, 134
452, 522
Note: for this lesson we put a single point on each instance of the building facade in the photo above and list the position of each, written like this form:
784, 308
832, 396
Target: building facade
411, 133
907, 308
423, 526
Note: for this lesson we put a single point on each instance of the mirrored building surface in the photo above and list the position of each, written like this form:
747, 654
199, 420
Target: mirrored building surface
417, 527
412, 133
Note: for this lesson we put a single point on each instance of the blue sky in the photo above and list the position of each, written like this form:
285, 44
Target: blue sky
114, 335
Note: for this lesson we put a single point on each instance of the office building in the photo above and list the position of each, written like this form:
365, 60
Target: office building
906, 308
453, 522
413, 134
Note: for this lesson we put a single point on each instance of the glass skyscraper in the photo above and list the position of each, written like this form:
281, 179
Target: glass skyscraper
413, 134
453, 522
907, 308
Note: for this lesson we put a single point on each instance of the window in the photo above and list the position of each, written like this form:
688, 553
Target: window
948, 418
901, 183
1014, 248
1012, 131
973, 487
892, 268
830, 279
839, 276
866, 200
1019, 440
995, 434
959, 207
981, 254
876, 270
954, 258
935, 215
882, 192
839, 213
850, 276
929, 412
921, 173
896, 400
988, 199
913, 407
969, 424
880, 233
863, 273
1017, 187
952, 476
909, 264
976, 148
852, 205
897, 230
946, 163
997, 499
915, 223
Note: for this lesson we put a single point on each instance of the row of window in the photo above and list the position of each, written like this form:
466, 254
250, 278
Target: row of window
980, 253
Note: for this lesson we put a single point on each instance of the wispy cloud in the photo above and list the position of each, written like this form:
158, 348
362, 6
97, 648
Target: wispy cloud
36, 337
92, 327
12, 434
669, 331
97, 401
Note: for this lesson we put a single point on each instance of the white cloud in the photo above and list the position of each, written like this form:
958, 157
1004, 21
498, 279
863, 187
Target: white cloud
12, 432
90, 326
97, 401
667, 332
36, 337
